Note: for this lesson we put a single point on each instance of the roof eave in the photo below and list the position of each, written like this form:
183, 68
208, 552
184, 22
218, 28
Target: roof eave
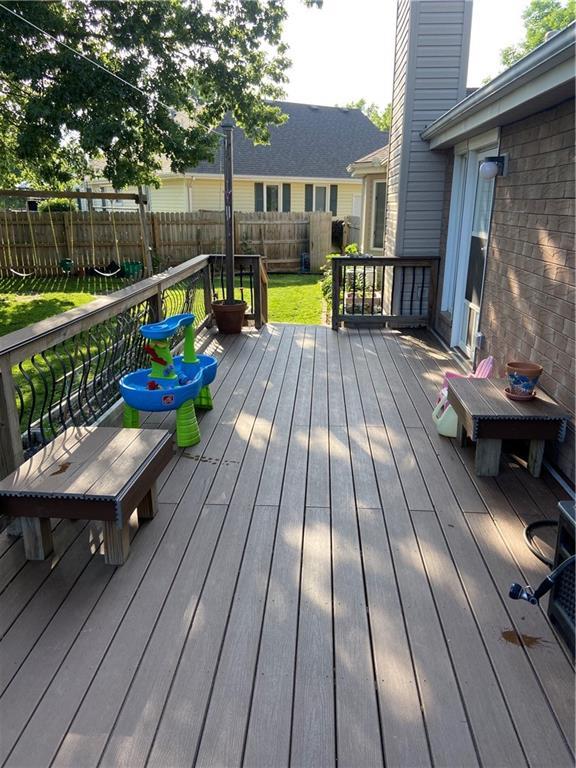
558, 51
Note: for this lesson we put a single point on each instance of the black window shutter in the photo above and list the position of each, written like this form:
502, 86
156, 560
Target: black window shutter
308, 197
286, 202
258, 196
334, 199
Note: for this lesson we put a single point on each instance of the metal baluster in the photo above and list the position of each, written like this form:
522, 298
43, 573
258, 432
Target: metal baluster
354, 290
51, 395
42, 415
32, 405
251, 283
374, 291
363, 288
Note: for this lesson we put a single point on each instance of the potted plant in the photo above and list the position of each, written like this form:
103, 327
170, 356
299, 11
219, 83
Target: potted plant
522, 379
229, 312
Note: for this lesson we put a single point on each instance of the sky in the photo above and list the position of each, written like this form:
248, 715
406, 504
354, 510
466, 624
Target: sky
345, 51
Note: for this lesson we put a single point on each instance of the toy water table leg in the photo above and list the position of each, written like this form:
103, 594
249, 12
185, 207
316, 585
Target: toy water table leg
130, 417
204, 400
187, 429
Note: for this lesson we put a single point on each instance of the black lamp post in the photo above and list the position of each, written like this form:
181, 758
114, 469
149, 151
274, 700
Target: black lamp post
227, 126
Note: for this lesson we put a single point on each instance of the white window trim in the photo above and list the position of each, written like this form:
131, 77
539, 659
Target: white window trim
373, 217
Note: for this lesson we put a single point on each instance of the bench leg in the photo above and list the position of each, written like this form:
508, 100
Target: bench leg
462, 436
535, 456
37, 535
148, 507
116, 543
487, 460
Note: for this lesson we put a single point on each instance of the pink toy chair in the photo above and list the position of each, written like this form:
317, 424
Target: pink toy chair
483, 371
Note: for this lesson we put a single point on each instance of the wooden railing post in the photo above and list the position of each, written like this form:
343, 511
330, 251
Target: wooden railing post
335, 295
207, 284
11, 451
257, 291
263, 278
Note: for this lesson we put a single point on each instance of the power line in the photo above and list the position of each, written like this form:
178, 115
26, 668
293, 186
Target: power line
171, 111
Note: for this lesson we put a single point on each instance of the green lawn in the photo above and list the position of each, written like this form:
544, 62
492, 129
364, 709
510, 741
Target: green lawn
24, 301
295, 299
291, 298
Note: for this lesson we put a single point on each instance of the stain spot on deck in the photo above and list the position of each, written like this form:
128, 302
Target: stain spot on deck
62, 468
530, 641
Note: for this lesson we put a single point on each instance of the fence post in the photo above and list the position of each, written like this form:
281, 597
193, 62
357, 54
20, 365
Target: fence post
335, 295
11, 451
320, 235
147, 257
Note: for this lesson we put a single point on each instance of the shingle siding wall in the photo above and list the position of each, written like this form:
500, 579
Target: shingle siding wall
430, 76
529, 295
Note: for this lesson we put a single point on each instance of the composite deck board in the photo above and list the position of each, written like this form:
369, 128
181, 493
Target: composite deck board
313, 730
325, 584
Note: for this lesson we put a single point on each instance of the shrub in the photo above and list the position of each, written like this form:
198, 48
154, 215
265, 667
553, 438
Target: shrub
57, 204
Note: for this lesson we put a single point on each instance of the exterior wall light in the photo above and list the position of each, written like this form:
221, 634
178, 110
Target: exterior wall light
493, 166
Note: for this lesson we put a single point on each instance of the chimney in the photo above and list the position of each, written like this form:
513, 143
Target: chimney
430, 68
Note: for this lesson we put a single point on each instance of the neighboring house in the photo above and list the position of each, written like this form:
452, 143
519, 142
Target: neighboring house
372, 170
506, 244
304, 168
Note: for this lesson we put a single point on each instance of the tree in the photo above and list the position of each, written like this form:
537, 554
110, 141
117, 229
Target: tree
189, 65
540, 17
381, 118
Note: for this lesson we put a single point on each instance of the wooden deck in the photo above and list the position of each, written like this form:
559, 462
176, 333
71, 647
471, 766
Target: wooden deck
326, 583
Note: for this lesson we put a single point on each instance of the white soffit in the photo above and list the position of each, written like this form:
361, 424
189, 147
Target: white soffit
542, 78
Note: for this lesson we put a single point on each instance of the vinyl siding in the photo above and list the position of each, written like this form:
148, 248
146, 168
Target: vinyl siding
170, 196
208, 194
430, 77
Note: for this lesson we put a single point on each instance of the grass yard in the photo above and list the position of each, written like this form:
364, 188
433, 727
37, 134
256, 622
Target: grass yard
291, 298
24, 301
295, 299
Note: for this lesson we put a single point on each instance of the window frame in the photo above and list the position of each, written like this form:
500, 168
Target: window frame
373, 217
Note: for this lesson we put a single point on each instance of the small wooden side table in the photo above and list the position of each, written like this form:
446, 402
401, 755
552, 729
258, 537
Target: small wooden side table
488, 417
88, 473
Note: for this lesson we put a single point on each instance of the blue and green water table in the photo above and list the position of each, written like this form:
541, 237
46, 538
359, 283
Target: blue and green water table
178, 383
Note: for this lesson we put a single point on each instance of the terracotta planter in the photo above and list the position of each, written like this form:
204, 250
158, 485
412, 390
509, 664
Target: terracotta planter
229, 317
523, 378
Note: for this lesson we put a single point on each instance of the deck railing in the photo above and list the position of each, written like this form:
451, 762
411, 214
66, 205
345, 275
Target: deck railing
368, 291
64, 370
251, 284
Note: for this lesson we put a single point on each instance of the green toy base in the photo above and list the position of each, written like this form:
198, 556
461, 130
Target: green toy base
187, 429
130, 417
204, 400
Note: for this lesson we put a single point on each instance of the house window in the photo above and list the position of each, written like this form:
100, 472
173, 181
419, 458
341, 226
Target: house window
267, 196
378, 214
286, 198
271, 197
319, 198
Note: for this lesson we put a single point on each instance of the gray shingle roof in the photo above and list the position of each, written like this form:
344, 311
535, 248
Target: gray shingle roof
316, 142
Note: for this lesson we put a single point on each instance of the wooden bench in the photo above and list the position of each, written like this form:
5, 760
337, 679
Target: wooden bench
488, 417
89, 473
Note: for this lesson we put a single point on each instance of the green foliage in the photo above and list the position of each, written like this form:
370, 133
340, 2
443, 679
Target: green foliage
57, 204
192, 61
540, 17
352, 250
382, 118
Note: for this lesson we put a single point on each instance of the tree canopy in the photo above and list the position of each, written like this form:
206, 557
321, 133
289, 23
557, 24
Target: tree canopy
381, 118
540, 17
190, 63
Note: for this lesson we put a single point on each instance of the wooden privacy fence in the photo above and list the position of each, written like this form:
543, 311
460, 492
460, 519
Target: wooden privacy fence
33, 242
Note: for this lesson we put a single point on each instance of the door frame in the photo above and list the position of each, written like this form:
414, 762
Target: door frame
480, 148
